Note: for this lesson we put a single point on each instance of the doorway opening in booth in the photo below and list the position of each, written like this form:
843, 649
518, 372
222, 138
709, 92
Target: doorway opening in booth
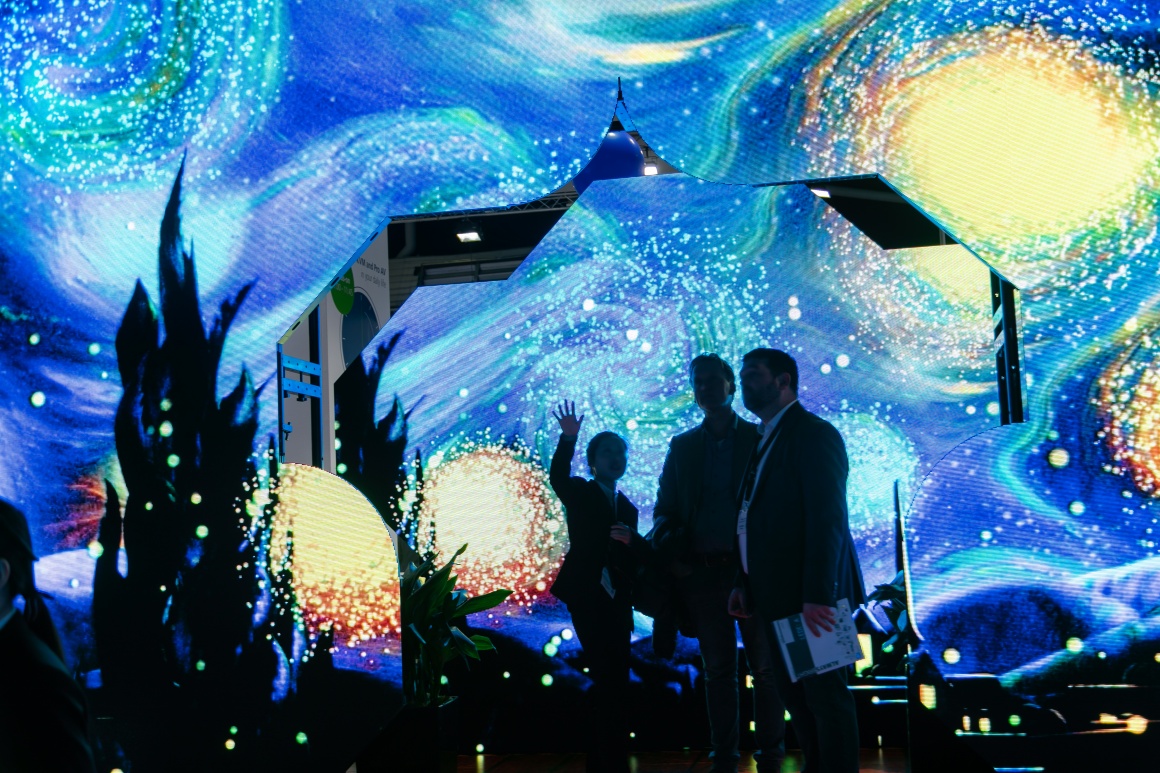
416, 250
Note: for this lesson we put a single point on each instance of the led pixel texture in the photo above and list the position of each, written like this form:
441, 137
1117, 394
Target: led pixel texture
1027, 129
641, 276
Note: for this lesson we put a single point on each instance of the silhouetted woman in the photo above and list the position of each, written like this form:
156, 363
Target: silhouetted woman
43, 719
595, 579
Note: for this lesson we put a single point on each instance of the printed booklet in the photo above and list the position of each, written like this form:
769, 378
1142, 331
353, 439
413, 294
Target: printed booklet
806, 654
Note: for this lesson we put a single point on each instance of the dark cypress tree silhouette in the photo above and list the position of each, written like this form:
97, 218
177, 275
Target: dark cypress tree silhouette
204, 659
370, 455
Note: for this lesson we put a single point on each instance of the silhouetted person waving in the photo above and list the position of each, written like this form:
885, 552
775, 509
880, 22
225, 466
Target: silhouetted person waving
43, 718
595, 579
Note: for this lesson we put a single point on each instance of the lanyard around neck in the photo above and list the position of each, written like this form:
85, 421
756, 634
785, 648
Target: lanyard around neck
759, 452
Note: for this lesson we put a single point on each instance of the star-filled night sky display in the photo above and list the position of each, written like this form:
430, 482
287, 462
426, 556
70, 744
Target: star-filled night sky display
1028, 129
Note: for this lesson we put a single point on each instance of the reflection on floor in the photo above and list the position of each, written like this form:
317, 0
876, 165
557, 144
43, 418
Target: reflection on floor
873, 761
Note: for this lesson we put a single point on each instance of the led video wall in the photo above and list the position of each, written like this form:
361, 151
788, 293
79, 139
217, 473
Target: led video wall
632, 283
1028, 129
640, 276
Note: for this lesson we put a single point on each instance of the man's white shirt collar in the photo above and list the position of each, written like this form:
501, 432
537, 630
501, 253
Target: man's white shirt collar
771, 425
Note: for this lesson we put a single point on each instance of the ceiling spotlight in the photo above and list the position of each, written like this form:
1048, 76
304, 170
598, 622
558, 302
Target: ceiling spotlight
821, 193
650, 169
467, 231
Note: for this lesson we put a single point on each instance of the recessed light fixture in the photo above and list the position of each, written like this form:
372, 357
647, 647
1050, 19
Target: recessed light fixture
821, 193
650, 169
469, 236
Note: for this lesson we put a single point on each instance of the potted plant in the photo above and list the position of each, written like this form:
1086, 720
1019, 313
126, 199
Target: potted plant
892, 600
421, 738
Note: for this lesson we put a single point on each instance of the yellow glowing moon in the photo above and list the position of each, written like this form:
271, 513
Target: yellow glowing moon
345, 570
1021, 137
500, 505
954, 272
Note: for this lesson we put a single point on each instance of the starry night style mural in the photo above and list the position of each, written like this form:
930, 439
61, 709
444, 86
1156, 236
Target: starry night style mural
1028, 130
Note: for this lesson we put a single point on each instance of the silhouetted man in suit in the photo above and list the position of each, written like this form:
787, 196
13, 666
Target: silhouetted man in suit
795, 548
695, 521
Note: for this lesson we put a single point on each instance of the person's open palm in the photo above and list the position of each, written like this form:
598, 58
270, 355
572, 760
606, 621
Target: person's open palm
565, 413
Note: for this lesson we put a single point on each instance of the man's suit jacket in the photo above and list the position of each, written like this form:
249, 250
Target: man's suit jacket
798, 542
590, 517
682, 480
43, 719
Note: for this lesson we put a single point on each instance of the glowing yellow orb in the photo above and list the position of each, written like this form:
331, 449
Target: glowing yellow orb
956, 273
345, 570
501, 506
1137, 724
1025, 136
1058, 458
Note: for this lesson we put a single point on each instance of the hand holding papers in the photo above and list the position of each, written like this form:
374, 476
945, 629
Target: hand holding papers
806, 654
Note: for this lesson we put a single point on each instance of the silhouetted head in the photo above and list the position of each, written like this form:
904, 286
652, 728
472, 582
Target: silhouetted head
17, 577
769, 381
16, 555
607, 456
713, 382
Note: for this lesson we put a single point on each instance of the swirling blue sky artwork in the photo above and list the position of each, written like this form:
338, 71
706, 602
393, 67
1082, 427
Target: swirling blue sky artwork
639, 277
1029, 130
298, 144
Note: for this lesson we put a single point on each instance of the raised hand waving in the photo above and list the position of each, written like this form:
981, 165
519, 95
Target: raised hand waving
565, 413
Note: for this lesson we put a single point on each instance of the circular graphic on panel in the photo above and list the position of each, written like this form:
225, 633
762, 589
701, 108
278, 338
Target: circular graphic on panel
346, 574
359, 326
496, 500
343, 293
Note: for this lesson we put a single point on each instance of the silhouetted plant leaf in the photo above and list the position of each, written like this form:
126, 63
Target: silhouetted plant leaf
206, 617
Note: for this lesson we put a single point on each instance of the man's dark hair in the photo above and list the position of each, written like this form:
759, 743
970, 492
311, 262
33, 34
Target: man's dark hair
594, 443
713, 360
777, 361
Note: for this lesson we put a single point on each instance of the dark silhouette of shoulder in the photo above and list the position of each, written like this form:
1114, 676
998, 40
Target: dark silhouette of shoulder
815, 434
687, 436
43, 717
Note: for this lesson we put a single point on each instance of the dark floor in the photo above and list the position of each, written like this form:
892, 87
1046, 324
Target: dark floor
873, 761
